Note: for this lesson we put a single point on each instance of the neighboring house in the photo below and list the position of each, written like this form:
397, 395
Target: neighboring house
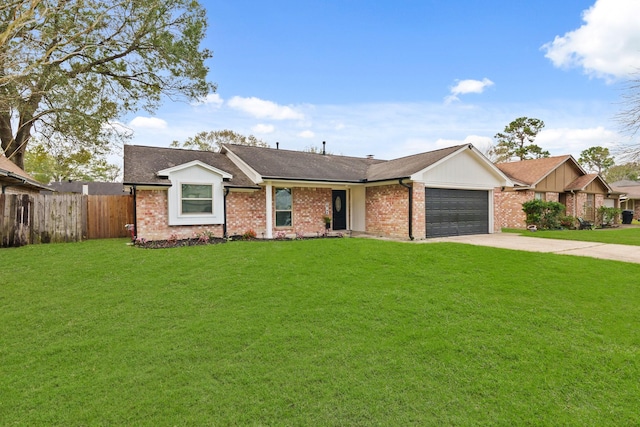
629, 195
271, 191
89, 188
14, 180
559, 179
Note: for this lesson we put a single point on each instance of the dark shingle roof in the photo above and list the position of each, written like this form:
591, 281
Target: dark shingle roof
142, 163
299, 165
406, 166
95, 188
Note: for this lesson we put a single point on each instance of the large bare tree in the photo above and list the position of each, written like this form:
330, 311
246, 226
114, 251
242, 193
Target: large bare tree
70, 68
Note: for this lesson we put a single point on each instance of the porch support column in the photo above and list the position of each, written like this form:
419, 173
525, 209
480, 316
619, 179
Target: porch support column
269, 211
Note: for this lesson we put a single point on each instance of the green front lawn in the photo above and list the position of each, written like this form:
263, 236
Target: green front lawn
316, 332
621, 236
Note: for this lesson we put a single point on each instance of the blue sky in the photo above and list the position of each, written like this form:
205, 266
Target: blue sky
395, 78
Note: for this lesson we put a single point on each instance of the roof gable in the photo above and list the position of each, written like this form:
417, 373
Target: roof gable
464, 168
191, 164
531, 172
581, 183
404, 167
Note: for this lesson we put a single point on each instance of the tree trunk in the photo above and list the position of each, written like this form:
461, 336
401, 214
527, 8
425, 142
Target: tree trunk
14, 148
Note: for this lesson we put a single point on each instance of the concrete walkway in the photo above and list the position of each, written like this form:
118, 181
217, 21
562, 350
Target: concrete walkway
623, 253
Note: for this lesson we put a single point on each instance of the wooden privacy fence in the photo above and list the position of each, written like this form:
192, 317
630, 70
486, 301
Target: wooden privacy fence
107, 216
28, 218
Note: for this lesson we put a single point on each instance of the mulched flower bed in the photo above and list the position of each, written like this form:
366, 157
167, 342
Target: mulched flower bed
176, 243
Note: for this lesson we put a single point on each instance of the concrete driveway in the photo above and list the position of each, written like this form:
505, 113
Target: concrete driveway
624, 253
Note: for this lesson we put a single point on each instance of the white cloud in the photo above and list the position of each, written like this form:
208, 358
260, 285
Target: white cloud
261, 109
148, 123
606, 45
480, 142
211, 99
574, 141
468, 86
262, 128
392, 130
306, 134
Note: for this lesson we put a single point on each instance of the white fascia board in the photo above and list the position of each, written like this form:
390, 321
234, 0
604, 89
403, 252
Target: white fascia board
169, 171
336, 185
244, 167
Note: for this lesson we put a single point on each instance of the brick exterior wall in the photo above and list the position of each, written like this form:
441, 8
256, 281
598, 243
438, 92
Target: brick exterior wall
152, 214
308, 209
387, 208
419, 206
245, 211
509, 213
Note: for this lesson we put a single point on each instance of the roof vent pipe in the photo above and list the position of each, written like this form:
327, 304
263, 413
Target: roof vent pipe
369, 156
277, 145
324, 145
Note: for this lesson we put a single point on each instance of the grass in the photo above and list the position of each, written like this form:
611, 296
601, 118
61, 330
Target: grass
316, 332
621, 236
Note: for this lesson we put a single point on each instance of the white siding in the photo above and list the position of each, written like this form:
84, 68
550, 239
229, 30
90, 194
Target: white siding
358, 208
195, 174
465, 170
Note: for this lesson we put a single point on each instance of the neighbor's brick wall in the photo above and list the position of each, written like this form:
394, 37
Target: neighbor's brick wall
508, 211
387, 209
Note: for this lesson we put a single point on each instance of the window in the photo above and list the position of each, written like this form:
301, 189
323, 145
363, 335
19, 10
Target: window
540, 196
197, 199
283, 207
589, 207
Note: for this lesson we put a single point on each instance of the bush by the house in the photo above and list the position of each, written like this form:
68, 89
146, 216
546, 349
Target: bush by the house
607, 216
543, 214
568, 221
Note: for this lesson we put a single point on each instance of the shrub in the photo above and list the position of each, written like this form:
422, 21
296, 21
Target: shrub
543, 214
607, 215
568, 221
249, 234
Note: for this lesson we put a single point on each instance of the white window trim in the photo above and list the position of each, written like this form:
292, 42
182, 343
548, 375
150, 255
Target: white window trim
182, 199
276, 210
195, 173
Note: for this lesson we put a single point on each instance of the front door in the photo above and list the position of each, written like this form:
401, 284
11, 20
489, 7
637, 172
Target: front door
339, 201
